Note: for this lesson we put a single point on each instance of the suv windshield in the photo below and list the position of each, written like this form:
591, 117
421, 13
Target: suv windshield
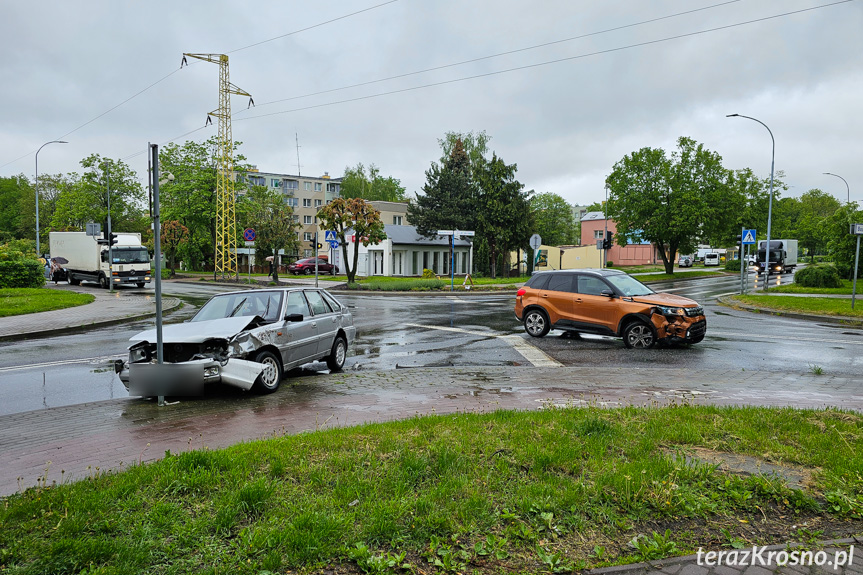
628, 285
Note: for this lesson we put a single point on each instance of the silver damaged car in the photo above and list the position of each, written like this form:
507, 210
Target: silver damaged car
246, 339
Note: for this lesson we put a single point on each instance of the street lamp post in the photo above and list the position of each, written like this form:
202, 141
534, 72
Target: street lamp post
847, 187
770, 205
38, 250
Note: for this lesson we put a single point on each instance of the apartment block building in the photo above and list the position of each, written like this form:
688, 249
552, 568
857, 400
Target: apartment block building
305, 194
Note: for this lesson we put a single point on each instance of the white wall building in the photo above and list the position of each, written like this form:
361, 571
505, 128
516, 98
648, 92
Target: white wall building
406, 253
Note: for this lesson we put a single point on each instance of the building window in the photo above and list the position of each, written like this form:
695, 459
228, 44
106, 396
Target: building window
333, 188
317, 187
292, 185
307, 202
295, 217
293, 202
318, 203
598, 234
257, 180
307, 236
306, 253
275, 182
397, 220
306, 186
307, 220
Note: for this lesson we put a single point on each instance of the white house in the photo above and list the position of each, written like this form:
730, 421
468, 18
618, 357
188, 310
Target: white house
406, 253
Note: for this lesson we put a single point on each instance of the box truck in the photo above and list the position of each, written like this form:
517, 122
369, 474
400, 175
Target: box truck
88, 258
783, 256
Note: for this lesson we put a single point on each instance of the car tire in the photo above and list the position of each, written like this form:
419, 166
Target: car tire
697, 339
271, 377
639, 335
536, 323
140, 284
103, 281
332, 271
336, 359
73, 280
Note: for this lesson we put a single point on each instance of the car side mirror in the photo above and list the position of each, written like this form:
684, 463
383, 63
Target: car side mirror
294, 317
607, 293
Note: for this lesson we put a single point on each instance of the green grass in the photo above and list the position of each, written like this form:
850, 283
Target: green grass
508, 491
818, 305
650, 278
794, 288
20, 301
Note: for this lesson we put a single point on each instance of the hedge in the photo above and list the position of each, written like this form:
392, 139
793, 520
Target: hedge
818, 276
22, 274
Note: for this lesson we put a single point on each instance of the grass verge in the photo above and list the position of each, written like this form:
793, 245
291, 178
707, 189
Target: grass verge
794, 288
545, 491
817, 305
20, 301
650, 278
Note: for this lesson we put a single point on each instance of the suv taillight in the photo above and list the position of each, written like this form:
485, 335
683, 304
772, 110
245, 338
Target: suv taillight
521, 292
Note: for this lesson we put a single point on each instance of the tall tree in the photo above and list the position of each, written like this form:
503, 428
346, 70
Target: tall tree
553, 220
815, 209
371, 186
12, 197
668, 201
86, 198
268, 213
449, 196
503, 220
357, 216
174, 234
842, 246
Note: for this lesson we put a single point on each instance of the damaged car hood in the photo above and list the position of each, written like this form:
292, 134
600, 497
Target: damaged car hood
197, 331
665, 299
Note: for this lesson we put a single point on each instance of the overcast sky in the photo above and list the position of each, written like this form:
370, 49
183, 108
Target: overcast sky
65, 63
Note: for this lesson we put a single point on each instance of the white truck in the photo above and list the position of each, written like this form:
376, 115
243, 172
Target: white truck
87, 258
783, 256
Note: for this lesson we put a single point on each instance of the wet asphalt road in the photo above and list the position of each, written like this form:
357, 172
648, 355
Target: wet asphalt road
403, 332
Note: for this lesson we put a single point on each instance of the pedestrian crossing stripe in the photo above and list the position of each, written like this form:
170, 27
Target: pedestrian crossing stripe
749, 238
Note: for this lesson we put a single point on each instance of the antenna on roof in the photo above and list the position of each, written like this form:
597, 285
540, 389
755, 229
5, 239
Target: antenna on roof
299, 167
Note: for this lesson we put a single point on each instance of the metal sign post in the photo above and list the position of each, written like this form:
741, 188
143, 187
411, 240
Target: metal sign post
747, 238
857, 230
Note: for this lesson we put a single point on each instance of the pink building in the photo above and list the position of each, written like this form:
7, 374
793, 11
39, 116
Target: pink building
593, 230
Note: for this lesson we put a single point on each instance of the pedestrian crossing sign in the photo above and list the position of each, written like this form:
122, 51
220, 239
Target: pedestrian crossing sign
748, 237
329, 236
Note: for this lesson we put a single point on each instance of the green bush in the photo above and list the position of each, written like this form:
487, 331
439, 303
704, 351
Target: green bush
818, 276
22, 274
406, 284
609, 264
166, 273
428, 274
732, 265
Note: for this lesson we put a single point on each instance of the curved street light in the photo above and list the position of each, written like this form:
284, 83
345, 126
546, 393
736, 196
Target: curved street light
846, 184
770, 205
38, 251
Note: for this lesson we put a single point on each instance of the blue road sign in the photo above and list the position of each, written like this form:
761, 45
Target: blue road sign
334, 244
329, 236
249, 235
748, 237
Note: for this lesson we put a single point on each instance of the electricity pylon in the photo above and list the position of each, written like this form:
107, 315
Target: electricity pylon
226, 221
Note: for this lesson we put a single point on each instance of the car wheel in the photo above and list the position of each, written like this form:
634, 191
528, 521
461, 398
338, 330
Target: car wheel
140, 284
332, 271
271, 377
73, 280
696, 339
639, 335
536, 323
336, 359
103, 281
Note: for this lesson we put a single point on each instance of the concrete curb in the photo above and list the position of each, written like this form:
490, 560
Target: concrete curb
687, 559
85, 326
727, 301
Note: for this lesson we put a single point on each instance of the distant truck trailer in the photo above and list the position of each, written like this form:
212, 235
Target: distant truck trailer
88, 259
783, 256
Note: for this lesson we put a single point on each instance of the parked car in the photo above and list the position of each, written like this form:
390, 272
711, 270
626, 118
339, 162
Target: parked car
247, 339
307, 266
607, 302
711, 259
685, 262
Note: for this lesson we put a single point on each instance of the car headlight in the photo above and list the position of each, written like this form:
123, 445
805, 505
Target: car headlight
136, 355
211, 371
665, 310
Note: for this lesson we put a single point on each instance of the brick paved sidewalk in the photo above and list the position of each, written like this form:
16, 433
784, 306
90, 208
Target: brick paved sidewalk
108, 308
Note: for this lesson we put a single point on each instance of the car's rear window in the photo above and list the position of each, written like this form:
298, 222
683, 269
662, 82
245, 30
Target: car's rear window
538, 281
319, 306
560, 282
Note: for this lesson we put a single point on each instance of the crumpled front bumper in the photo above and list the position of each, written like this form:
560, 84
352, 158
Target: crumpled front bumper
148, 379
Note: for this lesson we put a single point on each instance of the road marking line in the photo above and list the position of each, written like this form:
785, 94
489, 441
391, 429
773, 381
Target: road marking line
534, 355
788, 338
58, 363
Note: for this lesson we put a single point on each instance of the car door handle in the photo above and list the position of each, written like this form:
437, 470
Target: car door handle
545, 295
314, 324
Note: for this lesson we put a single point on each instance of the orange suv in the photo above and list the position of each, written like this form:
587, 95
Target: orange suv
607, 302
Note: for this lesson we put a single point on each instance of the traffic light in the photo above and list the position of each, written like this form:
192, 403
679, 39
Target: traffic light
112, 239
607, 243
739, 240
320, 245
312, 244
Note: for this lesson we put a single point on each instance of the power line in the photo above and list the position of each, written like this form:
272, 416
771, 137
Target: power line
507, 53
548, 62
159, 81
